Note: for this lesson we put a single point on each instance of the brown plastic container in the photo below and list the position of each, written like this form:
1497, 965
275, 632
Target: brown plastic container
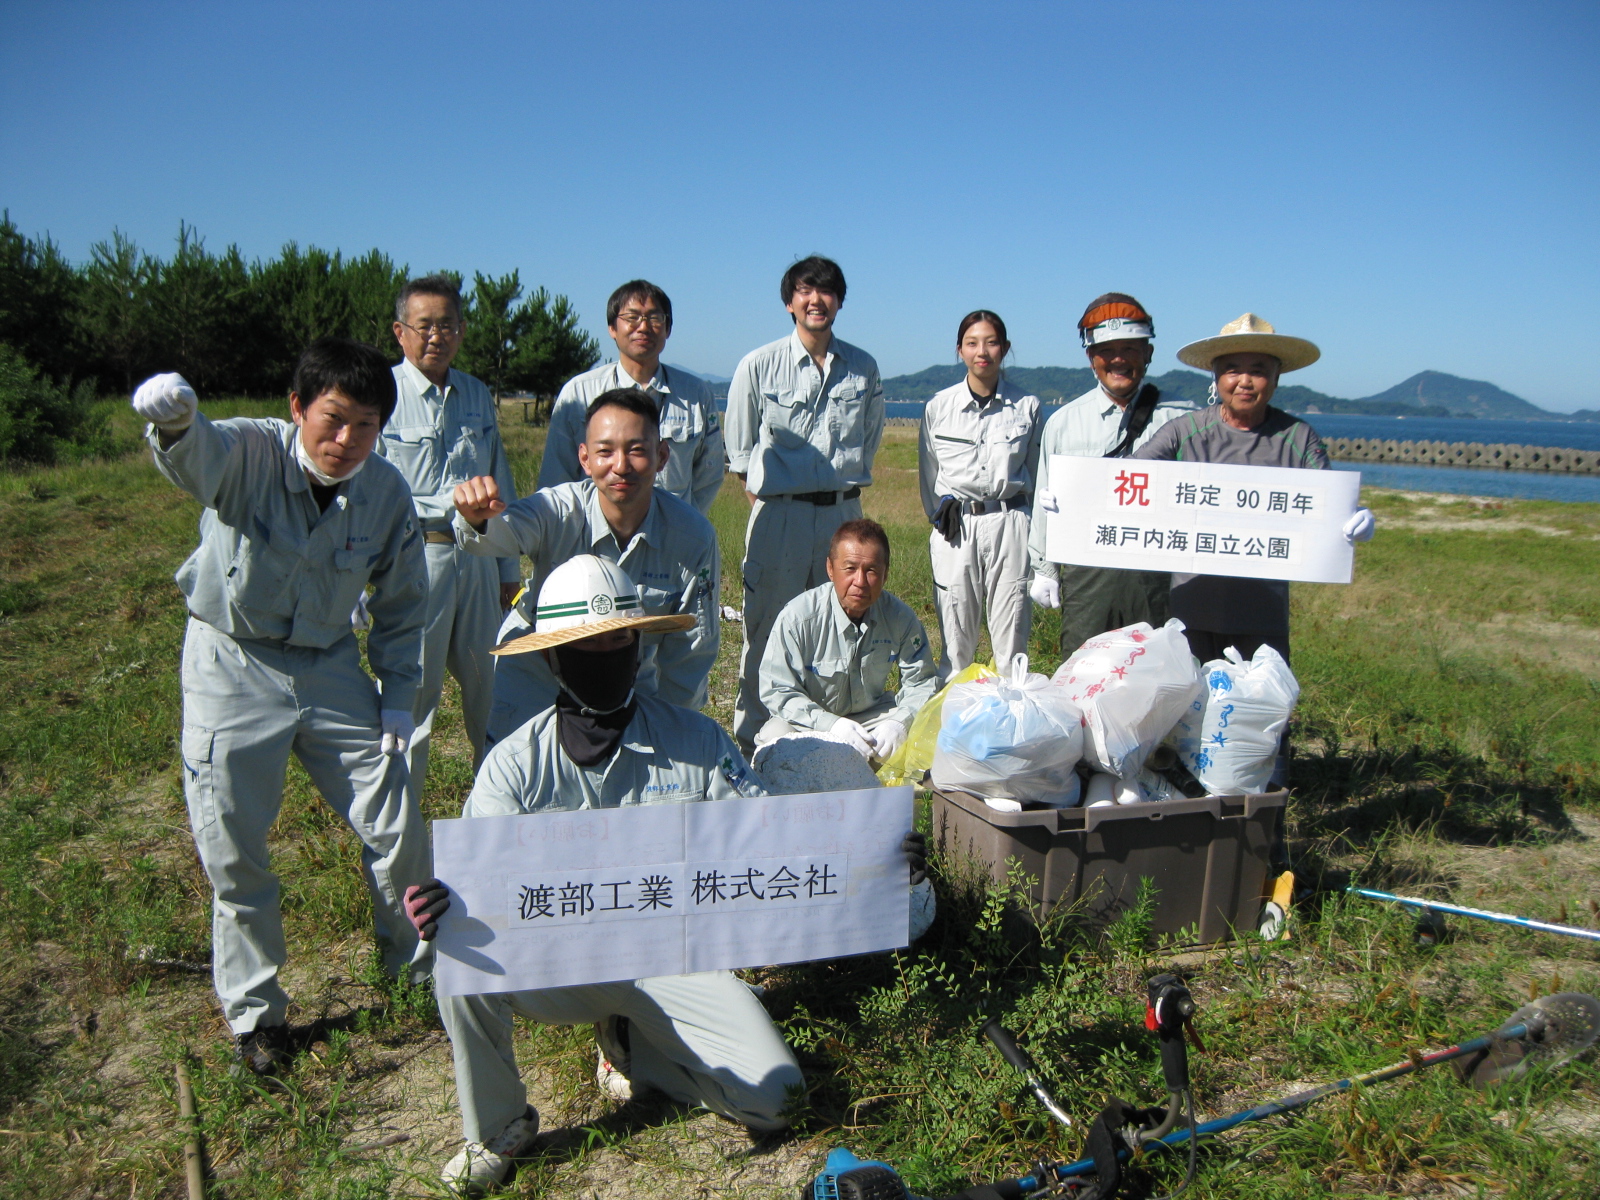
1208, 857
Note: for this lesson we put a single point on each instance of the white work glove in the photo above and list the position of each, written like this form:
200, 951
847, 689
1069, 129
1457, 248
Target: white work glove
167, 402
1361, 526
888, 736
854, 736
360, 618
1047, 500
1045, 592
397, 730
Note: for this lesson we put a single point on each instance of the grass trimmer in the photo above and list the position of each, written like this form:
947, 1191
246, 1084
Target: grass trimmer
1552, 1030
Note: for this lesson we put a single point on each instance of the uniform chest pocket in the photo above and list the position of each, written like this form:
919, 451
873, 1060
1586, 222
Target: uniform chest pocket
847, 408
829, 676
787, 418
347, 581
264, 575
414, 449
467, 449
680, 424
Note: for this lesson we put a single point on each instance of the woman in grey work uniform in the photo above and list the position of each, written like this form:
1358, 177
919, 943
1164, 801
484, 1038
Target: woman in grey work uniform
978, 457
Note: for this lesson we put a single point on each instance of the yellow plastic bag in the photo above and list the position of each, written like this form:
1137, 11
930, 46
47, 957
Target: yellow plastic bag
913, 760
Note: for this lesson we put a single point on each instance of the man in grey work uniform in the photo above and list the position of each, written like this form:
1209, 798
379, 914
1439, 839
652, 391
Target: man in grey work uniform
298, 519
445, 430
639, 319
827, 663
701, 1038
667, 548
1245, 360
805, 416
1120, 414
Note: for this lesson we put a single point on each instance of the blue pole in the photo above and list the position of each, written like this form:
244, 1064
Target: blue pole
1481, 913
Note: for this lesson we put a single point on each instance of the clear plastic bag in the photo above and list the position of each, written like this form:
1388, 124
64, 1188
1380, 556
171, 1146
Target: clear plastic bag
914, 758
1132, 685
1229, 736
1017, 737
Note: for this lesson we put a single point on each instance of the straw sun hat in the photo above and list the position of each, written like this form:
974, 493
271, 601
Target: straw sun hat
584, 596
1251, 334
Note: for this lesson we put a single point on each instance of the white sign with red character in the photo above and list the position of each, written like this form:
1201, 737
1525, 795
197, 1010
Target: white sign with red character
1202, 518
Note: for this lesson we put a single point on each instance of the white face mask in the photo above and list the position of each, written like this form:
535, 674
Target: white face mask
310, 468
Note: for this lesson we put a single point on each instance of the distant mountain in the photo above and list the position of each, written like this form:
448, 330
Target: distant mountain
706, 375
1463, 398
1428, 394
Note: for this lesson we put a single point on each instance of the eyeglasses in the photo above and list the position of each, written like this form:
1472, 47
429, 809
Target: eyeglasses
428, 329
632, 320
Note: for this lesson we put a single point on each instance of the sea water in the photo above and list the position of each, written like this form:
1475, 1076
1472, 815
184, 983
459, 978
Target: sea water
1463, 481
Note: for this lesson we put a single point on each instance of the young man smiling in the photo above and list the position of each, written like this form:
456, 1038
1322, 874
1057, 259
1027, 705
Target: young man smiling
298, 519
805, 416
667, 548
639, 320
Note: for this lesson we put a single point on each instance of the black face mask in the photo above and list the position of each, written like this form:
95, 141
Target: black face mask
596, 701
599, 680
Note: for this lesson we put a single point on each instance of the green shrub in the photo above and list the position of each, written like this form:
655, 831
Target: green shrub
44, 422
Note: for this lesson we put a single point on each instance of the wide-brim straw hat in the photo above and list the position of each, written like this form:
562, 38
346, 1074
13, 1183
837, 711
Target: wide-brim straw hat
584, 596
1251, 334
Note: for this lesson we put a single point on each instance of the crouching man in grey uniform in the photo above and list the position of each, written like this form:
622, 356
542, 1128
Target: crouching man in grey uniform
700, 1039
298, 520
703, 1038
826, 666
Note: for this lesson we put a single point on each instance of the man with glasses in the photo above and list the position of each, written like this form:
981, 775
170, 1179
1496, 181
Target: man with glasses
445, 431
805, 416
639, 320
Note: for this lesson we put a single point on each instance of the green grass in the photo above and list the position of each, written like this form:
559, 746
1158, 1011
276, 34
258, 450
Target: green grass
1446, 740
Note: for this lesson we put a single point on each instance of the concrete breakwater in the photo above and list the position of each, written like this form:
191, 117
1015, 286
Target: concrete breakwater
1505, 457
1558, 459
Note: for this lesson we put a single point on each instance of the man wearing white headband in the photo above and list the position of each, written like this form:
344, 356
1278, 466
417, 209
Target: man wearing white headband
1246, 360
1118, 415
298, 519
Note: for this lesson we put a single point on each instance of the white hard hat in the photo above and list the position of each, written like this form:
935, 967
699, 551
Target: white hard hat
584, 596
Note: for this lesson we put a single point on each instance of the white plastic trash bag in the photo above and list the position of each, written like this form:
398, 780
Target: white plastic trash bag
1229, 737
1132, 685
1016, 736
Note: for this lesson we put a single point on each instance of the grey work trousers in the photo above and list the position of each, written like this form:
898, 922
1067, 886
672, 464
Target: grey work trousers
247, 705
464, 614
987, 569
701, 1039
785, 553
1095, 600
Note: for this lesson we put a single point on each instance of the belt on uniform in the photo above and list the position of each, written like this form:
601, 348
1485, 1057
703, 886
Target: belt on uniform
822, 499
439, 537
974, 507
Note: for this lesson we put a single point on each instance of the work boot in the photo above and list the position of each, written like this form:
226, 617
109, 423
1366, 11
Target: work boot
264, 1049
480, 1166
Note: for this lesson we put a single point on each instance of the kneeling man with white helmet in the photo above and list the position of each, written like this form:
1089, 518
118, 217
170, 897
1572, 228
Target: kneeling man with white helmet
700, 1039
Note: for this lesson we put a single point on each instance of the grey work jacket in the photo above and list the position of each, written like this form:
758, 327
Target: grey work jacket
271, 566
820, 665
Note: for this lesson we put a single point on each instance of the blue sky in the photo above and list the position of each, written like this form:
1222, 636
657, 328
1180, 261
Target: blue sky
1409, 185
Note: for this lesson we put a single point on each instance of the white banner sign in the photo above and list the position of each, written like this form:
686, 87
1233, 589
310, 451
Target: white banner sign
1202, 518
560, 898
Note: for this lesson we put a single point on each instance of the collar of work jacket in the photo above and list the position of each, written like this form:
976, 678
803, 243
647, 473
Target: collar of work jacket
425, 386
650, 530
846, 628
656, 383
800, 356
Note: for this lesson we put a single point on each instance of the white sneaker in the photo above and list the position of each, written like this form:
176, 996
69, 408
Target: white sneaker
611, 1081
483, 1165
610, 1075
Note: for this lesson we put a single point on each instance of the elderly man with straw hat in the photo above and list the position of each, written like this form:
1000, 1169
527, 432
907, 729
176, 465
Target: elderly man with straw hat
1246, 360
700, 1039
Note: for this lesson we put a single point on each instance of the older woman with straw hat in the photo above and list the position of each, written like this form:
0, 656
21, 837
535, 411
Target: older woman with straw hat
1246, 360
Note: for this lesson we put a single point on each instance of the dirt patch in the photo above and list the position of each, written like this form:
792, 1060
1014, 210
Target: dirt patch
1564, 645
